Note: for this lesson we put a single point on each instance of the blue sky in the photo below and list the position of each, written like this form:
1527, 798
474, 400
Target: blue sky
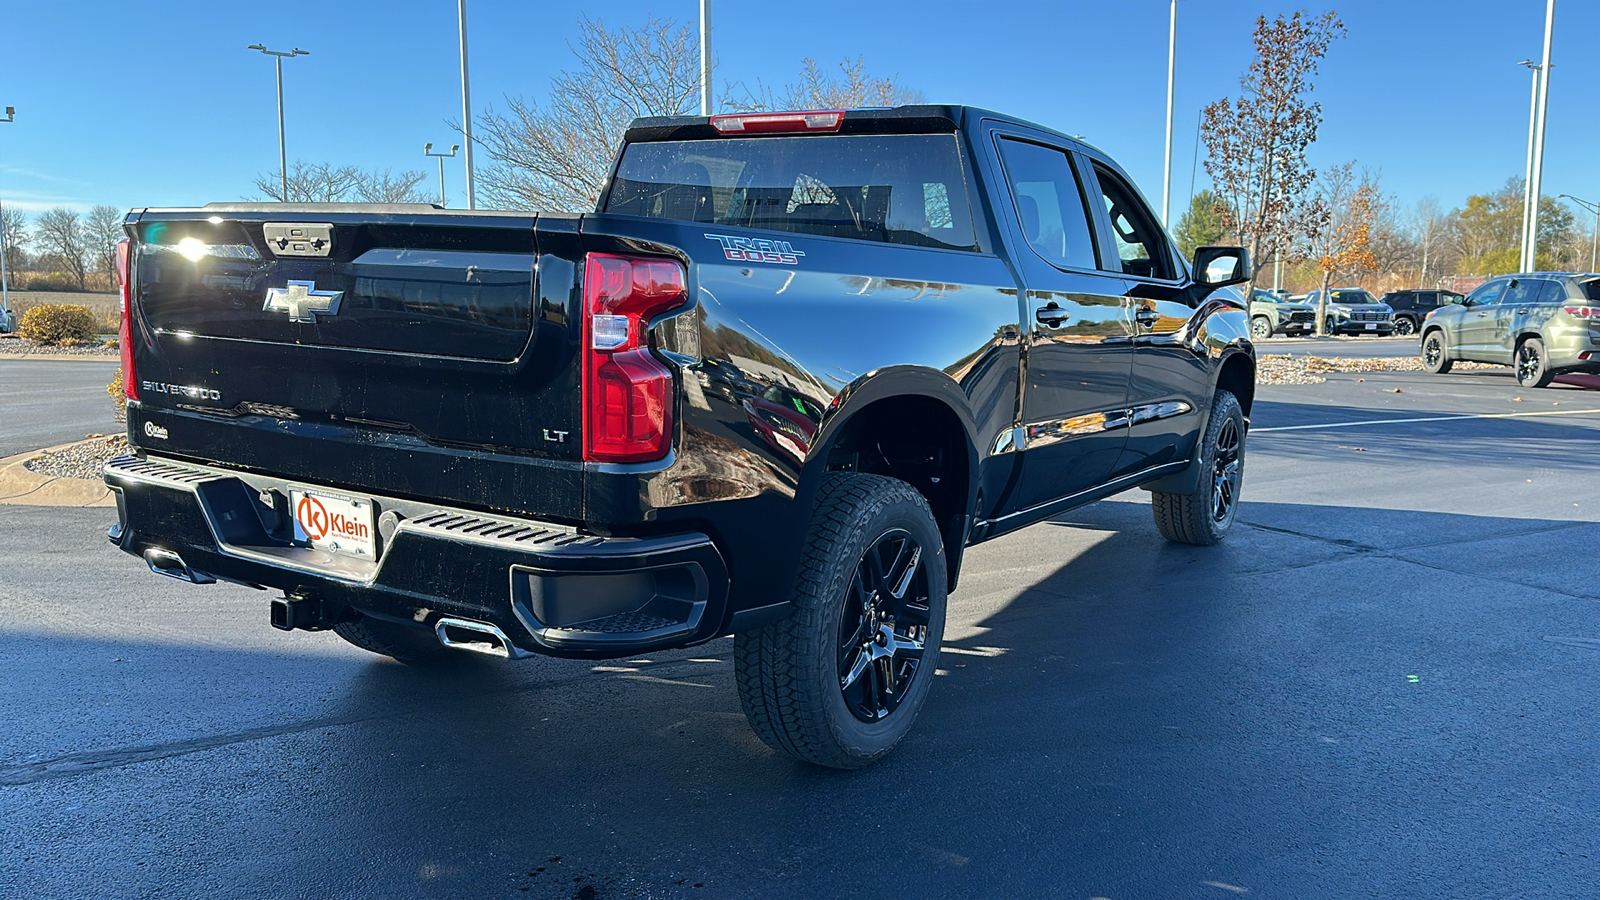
158, 104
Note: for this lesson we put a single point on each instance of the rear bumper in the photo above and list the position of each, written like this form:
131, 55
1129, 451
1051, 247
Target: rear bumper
550, 589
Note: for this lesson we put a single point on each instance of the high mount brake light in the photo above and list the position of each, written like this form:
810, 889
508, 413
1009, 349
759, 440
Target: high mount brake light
627, 392
779, 123
130, 380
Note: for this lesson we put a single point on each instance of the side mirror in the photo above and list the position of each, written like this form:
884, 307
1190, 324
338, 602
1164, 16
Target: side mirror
1216, 267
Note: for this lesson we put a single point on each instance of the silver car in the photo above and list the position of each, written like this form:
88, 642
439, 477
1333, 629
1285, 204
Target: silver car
1543, 324
1353, 311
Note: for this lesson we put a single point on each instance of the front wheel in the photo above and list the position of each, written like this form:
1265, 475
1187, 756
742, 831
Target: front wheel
1202, 516
839, 682
1327, 326
1434, 357
1260, 328
1533, 365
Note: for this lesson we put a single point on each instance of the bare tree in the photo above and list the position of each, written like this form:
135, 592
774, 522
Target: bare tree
1428, 227
61, 234
310, 183
390, 187
557, 155
852, 88
14, 233
1256, 144
102, 228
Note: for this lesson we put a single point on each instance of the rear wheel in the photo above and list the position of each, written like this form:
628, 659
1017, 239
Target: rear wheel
412, 646
1202, 516
1533, 366
1260, 328
1435, 357
841, 680
1404, 325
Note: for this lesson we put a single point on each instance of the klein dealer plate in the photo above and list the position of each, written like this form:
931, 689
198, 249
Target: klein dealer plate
334, 524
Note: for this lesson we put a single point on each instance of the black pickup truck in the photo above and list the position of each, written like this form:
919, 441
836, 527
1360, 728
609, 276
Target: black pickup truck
790, 367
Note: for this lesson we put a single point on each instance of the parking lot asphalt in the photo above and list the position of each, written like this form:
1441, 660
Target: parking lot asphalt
1382, 683
49, 402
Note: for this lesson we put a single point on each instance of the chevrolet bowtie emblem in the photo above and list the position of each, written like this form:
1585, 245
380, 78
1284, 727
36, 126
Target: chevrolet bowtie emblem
303, 301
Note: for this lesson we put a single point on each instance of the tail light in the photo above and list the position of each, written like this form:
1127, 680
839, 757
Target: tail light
1582, 312
130, 381
627, 392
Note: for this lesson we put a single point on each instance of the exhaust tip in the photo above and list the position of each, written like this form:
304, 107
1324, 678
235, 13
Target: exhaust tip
476, 637
165, 562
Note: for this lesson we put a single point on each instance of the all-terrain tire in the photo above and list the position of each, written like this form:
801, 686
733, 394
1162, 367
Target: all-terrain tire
412, 646
1436, 353
1202, 516
788, 672
1532, 364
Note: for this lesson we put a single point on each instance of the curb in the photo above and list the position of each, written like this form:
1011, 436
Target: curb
61, 357
21, 487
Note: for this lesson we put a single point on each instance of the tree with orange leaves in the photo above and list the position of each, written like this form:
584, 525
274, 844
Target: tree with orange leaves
1339, 216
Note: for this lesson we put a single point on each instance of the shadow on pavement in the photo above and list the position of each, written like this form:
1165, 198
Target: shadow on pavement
1302, 711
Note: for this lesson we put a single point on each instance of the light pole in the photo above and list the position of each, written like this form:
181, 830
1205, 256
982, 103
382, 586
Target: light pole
1538, 141
466, 104
283, 157
427, 150
5, 290
1594, 249
1527, 174
705, 57
1166, 171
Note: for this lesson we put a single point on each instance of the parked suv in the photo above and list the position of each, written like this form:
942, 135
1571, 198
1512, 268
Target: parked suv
791, 366
1272, 314
1353, 311
1543, 324
1412, 306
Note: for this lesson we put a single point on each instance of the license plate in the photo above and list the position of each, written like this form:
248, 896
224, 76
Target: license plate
334, 524
1372, 326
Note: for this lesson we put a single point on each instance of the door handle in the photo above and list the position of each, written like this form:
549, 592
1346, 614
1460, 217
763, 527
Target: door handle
1051, 315
1484, 314
1147, 317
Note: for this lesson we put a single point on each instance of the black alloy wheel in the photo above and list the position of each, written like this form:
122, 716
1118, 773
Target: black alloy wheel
1404, 326
1434, 358
1533, 369
1225, 472
884, 626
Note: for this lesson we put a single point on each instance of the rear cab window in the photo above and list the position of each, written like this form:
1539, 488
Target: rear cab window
899, 189
1141, 250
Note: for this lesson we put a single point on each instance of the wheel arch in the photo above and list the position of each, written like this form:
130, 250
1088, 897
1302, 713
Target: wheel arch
912, 423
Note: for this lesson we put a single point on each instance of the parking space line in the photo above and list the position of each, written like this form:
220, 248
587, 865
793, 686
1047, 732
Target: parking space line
1515, 415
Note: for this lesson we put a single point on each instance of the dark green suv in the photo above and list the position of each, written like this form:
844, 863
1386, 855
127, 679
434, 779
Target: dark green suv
1271, 314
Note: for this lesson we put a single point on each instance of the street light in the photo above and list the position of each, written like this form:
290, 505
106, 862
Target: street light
427, 150
1166, 169
1527, 172
283, 158
1594, 249
5, 289
1536, 181
466, 104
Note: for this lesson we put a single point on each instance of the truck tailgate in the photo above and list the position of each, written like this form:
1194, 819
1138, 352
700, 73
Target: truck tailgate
349, 346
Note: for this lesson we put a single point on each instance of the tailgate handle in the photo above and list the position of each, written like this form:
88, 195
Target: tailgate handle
298, 238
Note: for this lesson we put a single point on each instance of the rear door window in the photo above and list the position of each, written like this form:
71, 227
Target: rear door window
1523, 291
898, 189
1049, 202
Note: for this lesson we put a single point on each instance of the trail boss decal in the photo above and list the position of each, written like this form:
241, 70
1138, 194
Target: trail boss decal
758, 250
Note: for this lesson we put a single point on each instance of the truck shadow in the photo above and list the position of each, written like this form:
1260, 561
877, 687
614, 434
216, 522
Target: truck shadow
1131, 718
